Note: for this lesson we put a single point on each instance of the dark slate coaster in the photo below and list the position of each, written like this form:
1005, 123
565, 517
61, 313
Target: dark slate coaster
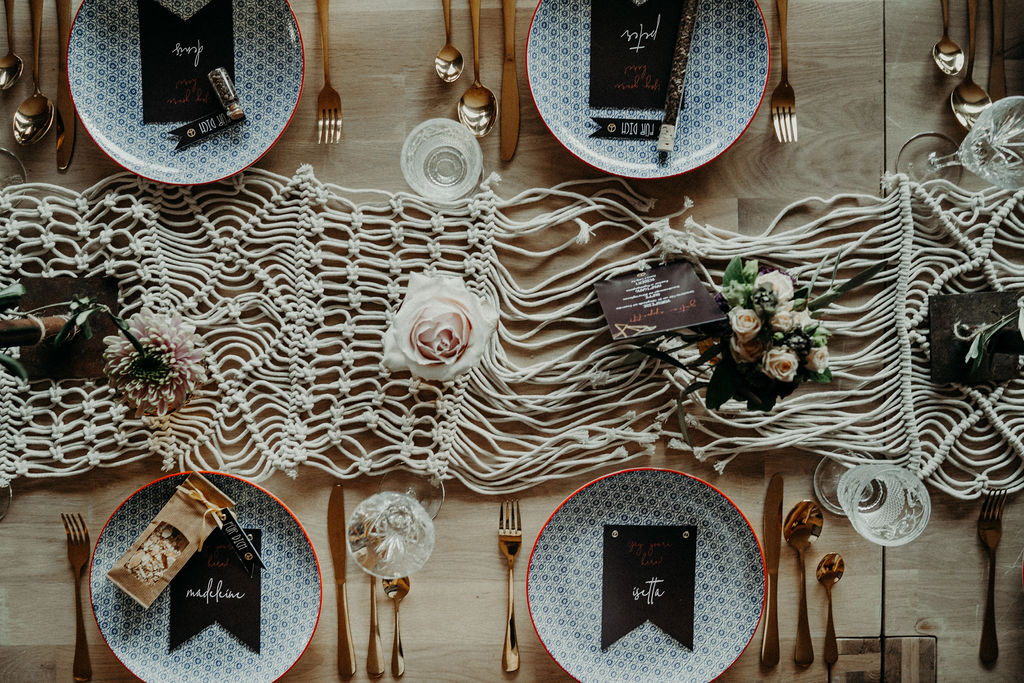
948, 352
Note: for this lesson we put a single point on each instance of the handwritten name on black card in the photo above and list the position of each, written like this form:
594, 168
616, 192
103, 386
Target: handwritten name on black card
177, 54
649, 574
663, 298
214, 588
631, 52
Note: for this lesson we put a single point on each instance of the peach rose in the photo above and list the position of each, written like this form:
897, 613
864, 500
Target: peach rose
745, 323
748, 352
817, 359
780, 363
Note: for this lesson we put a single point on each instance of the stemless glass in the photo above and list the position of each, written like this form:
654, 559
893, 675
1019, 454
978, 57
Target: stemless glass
390, 535
886, 504
441, 160
992, 150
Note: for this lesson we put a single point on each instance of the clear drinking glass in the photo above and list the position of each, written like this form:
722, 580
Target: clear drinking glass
6, 496
390, 535
441, 160
992, 150
885, 503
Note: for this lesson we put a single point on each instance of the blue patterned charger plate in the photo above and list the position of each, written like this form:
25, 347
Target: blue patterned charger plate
104, 71
565, 573
290, 600
727, 73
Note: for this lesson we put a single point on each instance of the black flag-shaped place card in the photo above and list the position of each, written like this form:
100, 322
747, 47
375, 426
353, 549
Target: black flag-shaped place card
214, 588
662, 298
648, 576
177, 54
631, 51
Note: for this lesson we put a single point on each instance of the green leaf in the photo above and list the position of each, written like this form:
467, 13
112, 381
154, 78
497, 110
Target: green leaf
681, 418
13, 366
126, 331
722, 385
733, 272
857, 280
66, 332
10, 295
662, 356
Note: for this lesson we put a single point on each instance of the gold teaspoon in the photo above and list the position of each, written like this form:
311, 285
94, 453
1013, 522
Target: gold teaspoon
478, 108
448, 63
948, 56
969, 99
11, 65
396, 589
830, 570
34, 117
801, 527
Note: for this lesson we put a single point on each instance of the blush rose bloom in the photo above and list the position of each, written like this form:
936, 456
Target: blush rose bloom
749, 352
440, 331
780, 363
778, 283
817, 359
785, 319
745, 323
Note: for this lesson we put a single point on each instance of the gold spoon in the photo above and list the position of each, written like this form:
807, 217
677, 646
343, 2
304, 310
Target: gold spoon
34, 117
948, 56
11, 65
396, 589
803, 525
448, 63
829, 571
969, 99
478, 109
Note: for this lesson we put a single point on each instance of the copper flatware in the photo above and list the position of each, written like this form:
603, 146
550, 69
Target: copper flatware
396, 589
328, 103
336, 523
64, 123
375, 649
830, 570
772, 539
509, 85
948, 56
996, 70
783, 97
510, 539
990, 530
969, 99
78, 554
802, 526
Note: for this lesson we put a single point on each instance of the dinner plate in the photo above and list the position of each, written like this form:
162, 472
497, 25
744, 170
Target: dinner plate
564, 579
290, 596
726, 77
104, 71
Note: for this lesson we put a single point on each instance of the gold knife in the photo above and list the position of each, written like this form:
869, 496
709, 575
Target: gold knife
772, 539
336, 523
509, 85
996, 70
64, 119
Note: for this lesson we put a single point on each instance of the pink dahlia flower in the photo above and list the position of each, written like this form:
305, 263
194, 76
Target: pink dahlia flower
160, 379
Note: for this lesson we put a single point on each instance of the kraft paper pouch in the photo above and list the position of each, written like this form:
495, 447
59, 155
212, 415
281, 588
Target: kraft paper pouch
174, 535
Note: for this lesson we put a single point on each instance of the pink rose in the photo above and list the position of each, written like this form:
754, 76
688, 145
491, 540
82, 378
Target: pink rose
780, 363
745, 323
441, 330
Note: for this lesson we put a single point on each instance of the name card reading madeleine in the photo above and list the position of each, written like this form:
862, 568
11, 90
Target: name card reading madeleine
663, 298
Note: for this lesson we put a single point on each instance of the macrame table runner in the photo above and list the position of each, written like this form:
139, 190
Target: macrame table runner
292, 283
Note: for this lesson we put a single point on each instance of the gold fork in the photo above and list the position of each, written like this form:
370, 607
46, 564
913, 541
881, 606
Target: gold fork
990, 529
78, 555
783, 97
510, 538
328, 125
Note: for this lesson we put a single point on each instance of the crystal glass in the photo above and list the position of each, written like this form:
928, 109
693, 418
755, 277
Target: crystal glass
427, 489
993, 149
441, 160
12, 171
826, 483
885, 503
6, 496
390, 535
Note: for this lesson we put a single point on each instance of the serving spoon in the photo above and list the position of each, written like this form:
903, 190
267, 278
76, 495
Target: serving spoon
448, 63
801, 527
948, 55
11, 65
396, 589
830, 570
478, 108
969, 99
34, 117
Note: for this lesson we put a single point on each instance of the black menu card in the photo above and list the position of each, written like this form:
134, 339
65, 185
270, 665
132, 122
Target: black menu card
631, 50
177, 54
213, 587
649, 574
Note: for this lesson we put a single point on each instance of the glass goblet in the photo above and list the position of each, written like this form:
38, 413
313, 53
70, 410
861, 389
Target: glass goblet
886, 504
390, 535
993, 149
427, 489
6, 496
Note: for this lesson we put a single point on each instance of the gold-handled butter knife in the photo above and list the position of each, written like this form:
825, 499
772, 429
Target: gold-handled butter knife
509, 85
64, 121
336, 523
772, 540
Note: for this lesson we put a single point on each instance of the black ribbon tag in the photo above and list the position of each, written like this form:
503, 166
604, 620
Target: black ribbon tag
630, 129
648, 576
243, 546
177, 54
213, 587
202, 128
631, 50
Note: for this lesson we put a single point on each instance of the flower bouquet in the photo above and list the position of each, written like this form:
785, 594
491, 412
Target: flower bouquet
770, 343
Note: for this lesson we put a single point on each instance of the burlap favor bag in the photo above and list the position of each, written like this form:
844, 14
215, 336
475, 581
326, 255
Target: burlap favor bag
174, 535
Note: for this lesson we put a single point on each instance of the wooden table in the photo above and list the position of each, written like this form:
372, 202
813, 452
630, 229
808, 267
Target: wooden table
864, 83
